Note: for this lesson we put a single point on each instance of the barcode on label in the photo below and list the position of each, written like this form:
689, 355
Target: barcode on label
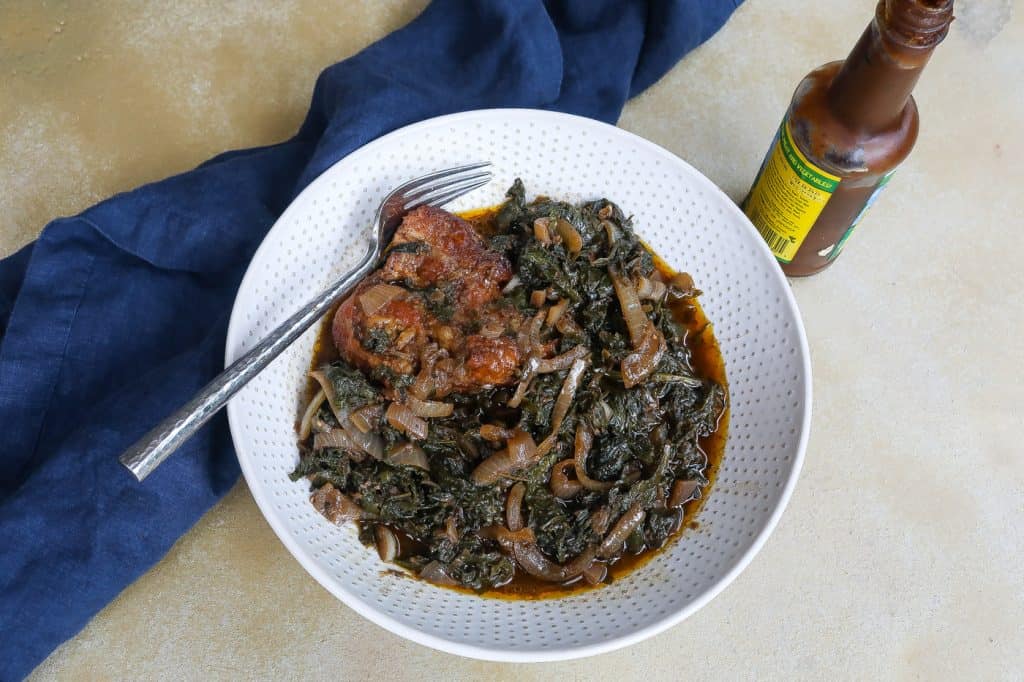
776, 242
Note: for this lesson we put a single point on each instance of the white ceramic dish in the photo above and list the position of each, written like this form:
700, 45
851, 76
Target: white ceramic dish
689, 222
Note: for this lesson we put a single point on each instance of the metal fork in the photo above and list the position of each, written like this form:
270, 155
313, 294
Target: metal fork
434, 189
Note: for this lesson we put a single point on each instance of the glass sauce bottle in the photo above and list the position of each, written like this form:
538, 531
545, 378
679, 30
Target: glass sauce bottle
849, 125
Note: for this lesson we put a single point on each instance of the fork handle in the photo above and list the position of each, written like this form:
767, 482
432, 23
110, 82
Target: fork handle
153, 448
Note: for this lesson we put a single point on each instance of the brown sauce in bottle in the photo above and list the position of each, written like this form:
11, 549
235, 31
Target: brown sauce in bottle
851, 123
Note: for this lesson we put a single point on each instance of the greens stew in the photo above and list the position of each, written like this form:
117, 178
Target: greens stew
517, 403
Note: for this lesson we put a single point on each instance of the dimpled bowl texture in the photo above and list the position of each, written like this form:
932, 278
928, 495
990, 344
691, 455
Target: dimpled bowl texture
688, 221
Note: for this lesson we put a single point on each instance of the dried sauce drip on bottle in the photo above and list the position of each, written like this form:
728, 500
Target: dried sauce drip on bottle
848, 127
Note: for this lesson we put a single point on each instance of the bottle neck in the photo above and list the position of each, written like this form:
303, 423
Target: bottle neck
873, 86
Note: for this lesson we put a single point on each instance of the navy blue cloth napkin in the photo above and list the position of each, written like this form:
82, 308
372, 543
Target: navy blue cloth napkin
115, 317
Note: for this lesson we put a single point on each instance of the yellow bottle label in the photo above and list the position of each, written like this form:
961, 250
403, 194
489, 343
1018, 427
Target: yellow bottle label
788, 196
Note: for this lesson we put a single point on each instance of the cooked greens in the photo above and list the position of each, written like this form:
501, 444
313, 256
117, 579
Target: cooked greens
590, 451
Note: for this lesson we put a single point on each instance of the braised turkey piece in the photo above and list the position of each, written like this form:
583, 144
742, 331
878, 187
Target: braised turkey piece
449, 280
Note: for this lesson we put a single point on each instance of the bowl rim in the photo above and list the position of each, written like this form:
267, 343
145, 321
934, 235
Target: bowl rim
235, 334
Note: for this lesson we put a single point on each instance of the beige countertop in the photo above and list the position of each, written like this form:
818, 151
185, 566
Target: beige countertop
901, 553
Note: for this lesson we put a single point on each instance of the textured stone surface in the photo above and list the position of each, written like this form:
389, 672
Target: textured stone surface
900, 553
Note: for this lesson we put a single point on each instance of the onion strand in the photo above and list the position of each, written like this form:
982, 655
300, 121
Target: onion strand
335, 438
562, 403
387, 543
507, 538
627, 523
335, 506
370, 443
430, 408
493, 469
434, 572
647, 341
521, 448
639, 365
556, 311
572, 239
561, 362
683, 492
402, 418
378, 296
529, 371
367, 418
520, 454
683, 285
494, 433
650, 289
328, 388
306, 423
632, 312
541, 231
514, 506
408, 454
561, 485
533, 561
584, 440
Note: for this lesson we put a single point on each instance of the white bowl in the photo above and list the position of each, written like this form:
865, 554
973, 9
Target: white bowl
688, 221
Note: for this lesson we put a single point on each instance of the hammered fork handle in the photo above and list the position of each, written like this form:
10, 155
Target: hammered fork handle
161, 441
